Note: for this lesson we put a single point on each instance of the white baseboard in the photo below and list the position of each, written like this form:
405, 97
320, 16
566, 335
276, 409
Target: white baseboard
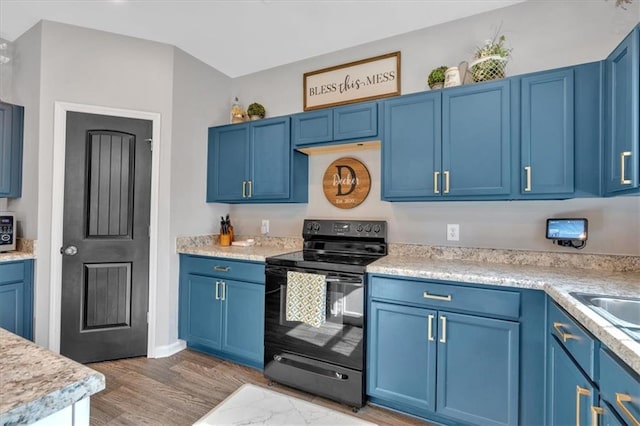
168, 350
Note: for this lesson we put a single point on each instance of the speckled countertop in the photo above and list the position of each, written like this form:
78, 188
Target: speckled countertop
254, 253
25, 249
36, 382
555, 281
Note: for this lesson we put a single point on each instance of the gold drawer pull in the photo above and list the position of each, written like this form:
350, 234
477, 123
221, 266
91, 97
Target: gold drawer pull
527, 169
446, 298
430, 328
595, 412
624, 181
221, 268
436, 182
580, 392
565, 336
621, 398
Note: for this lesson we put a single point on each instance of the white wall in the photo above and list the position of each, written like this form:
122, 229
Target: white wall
543, 35
200, 94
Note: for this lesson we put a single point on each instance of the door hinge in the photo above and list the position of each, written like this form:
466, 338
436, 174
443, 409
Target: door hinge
150, 143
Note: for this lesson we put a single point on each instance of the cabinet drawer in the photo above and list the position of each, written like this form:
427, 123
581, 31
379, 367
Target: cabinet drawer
468, 299
620, 387
11, 272
579, 343
224, 268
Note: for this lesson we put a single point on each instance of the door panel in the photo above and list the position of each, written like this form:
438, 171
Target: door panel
270, 159
11, 303
243, 309
105, 283
204, 310
227, 163
478, 364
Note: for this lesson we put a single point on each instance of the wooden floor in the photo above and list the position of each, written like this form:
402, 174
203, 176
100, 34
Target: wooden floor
180, 389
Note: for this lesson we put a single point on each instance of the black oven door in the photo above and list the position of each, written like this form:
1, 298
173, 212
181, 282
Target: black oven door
339, 340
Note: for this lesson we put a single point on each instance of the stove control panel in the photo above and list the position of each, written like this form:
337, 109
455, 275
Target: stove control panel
345, 228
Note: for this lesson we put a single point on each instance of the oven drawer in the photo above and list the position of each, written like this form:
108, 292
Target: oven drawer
224, 268
446, 296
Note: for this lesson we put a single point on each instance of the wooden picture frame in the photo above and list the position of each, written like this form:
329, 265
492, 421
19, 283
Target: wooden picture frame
372, 78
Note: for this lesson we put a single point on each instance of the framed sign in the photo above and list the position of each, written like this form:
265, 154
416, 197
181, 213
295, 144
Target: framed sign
362, 80
346, 183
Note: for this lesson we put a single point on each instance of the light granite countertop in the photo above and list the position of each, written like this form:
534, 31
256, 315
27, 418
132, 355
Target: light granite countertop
15, 255
557, 282
252, 253
35, 382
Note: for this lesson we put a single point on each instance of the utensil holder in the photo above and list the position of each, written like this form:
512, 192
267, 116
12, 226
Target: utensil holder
225, 239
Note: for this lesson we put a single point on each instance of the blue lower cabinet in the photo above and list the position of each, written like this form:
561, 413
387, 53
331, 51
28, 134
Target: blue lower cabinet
443, 366
16, 297
570, 395
401, 361
243, 309
222, 308
620, 387
474, 352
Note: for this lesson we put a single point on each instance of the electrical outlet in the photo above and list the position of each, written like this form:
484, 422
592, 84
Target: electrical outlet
453, 232
264, 228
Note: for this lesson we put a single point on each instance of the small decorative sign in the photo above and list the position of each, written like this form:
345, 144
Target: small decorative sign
357, 81
346, 183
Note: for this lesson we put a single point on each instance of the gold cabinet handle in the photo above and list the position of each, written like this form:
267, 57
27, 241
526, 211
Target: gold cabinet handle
564, 336
446, 298
244, 189
430, 328
624, 181
217, 293
446, 181
436, 183
595, 412
250, 188
527, 170
221, 268
621, 398
443, 338
580, 392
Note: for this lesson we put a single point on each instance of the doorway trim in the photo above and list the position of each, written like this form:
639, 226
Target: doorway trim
57, 211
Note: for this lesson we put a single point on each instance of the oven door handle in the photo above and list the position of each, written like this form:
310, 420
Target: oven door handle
344, 280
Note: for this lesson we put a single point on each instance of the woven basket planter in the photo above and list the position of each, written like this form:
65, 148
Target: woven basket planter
488, 68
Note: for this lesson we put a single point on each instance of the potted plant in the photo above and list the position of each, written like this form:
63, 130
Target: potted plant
491, 60
436, 77
256, 111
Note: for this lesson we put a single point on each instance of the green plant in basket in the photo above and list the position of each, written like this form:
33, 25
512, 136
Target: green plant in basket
255, 109
437, 76
491, 60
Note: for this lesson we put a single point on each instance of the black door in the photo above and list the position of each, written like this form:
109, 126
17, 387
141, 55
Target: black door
105, 266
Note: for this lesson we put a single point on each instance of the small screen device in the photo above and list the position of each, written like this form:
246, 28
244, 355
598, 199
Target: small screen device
568, 232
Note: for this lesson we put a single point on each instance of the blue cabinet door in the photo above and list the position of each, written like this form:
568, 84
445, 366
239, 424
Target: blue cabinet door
228, 163
621, 154
312, 127
401, 356
243, 319
202, 301
271, 152
570, 394
411, 148
547, 133
620, 387
478, 368
11, 307
476, 141
356, 121
16, 297
11, 140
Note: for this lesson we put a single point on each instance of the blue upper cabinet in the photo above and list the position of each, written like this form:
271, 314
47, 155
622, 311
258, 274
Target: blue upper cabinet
476, 140
411, 151
448, 144
351, 122
547, 134
254, 162
622, 153
11, 140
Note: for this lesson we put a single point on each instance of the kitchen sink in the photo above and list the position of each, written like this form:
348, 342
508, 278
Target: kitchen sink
623, 312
